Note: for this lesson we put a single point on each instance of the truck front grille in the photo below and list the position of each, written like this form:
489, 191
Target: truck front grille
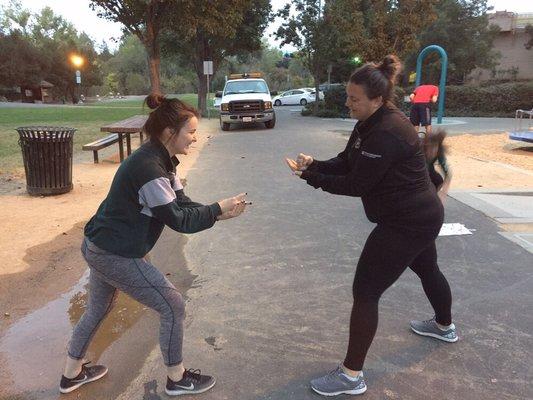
245, 106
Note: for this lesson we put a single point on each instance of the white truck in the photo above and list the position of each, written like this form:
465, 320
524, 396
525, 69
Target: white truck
246, 99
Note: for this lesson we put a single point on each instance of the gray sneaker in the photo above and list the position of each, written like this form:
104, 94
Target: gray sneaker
336, 382
430, 328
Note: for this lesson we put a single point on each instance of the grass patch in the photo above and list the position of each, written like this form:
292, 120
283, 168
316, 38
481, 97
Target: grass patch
87, 119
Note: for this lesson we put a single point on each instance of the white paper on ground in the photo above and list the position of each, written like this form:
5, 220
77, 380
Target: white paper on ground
454, 229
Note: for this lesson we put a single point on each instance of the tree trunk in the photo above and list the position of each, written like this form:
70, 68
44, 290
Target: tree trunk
202, 91
154, 61
316, 77
152, 47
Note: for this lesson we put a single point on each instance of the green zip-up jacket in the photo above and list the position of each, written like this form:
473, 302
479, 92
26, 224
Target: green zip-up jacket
145, 195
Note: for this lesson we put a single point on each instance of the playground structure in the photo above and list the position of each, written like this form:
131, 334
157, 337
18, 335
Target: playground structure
442, 81
520, 132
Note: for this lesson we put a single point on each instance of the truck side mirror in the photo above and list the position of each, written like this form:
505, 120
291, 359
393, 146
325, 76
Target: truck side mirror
274, 93
218, 94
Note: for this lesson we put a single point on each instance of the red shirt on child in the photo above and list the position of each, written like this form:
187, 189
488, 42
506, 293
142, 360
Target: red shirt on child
424, 93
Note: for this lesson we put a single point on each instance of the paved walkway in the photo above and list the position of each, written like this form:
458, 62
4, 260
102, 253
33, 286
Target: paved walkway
460, 125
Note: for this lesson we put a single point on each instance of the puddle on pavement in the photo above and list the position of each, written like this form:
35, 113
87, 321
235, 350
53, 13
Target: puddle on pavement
35, 346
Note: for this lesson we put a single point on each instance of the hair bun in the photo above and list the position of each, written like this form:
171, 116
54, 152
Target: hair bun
154, 100
390, 66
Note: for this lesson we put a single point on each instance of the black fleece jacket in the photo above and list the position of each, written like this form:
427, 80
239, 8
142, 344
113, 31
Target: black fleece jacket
383, 163
146, 194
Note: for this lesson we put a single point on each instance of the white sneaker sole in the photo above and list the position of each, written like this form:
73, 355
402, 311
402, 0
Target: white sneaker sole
72, 388
353, 392
436, 336
185, 391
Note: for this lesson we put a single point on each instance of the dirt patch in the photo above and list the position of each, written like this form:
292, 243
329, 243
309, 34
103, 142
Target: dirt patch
41, 236
490, 161
52, 267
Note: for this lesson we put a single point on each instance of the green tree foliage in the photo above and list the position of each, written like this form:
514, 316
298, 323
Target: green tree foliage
310, 27
390, 26
215, 30
14, 18
144, 19
130, 70
267, 61
369, 29
23, 66
130, 59
45, 41
462, 29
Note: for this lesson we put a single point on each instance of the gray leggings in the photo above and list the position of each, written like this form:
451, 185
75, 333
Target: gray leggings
140, 280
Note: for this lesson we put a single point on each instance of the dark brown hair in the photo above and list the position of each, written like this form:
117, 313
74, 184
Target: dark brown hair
435, 138
378, 79
168, 113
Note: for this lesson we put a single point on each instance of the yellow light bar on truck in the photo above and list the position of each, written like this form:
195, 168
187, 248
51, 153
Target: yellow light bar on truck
246, 75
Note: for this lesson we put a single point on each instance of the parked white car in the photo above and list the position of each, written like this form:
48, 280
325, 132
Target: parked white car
295, 96
312, 90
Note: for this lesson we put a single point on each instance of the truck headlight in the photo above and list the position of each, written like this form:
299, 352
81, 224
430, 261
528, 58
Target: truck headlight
224, 106
268, 105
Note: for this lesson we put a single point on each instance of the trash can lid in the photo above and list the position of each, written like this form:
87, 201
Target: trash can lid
39, 128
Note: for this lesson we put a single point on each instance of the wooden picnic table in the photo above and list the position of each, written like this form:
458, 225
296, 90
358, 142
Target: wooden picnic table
126, 128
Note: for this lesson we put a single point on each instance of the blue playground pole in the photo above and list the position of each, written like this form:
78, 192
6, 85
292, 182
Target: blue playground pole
443, 68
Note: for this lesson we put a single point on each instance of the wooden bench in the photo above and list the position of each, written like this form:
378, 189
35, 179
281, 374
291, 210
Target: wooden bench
119, 131
100, 144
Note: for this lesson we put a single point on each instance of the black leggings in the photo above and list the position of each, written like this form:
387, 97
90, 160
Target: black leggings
386, 255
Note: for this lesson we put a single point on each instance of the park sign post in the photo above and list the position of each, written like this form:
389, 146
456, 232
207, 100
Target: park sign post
208, 70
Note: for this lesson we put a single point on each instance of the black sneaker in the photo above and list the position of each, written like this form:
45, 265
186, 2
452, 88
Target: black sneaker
87, 374
191, 383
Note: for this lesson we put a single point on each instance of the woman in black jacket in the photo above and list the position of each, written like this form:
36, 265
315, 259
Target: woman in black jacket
383, 163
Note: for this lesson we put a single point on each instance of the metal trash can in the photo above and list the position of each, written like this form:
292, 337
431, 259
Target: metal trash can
47, 155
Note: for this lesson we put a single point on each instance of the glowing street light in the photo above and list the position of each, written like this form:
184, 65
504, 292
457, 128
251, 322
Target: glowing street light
77, 60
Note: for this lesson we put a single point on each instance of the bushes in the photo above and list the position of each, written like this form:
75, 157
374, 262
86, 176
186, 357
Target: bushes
496, 100
467, 100
332, 106
323, 111
335, 100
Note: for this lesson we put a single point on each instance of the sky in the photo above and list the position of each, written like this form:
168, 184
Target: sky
84, 19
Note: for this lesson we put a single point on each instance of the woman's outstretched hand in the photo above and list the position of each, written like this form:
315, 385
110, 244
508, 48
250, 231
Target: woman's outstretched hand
232, 207
301, 163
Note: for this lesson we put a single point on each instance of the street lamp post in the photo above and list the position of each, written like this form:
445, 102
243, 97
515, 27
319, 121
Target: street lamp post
78, 62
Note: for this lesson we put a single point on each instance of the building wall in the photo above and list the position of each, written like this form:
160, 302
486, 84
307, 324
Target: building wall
510, 44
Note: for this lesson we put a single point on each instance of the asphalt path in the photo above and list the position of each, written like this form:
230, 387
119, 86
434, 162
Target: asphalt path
270, 304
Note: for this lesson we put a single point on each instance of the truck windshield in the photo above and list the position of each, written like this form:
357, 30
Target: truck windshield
246, 87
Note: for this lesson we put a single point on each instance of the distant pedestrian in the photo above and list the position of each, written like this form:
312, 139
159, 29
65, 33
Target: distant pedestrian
383, 163
421, 98
146, 194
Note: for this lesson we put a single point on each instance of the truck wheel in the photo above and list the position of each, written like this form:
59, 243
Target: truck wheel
224, 125
270, 124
